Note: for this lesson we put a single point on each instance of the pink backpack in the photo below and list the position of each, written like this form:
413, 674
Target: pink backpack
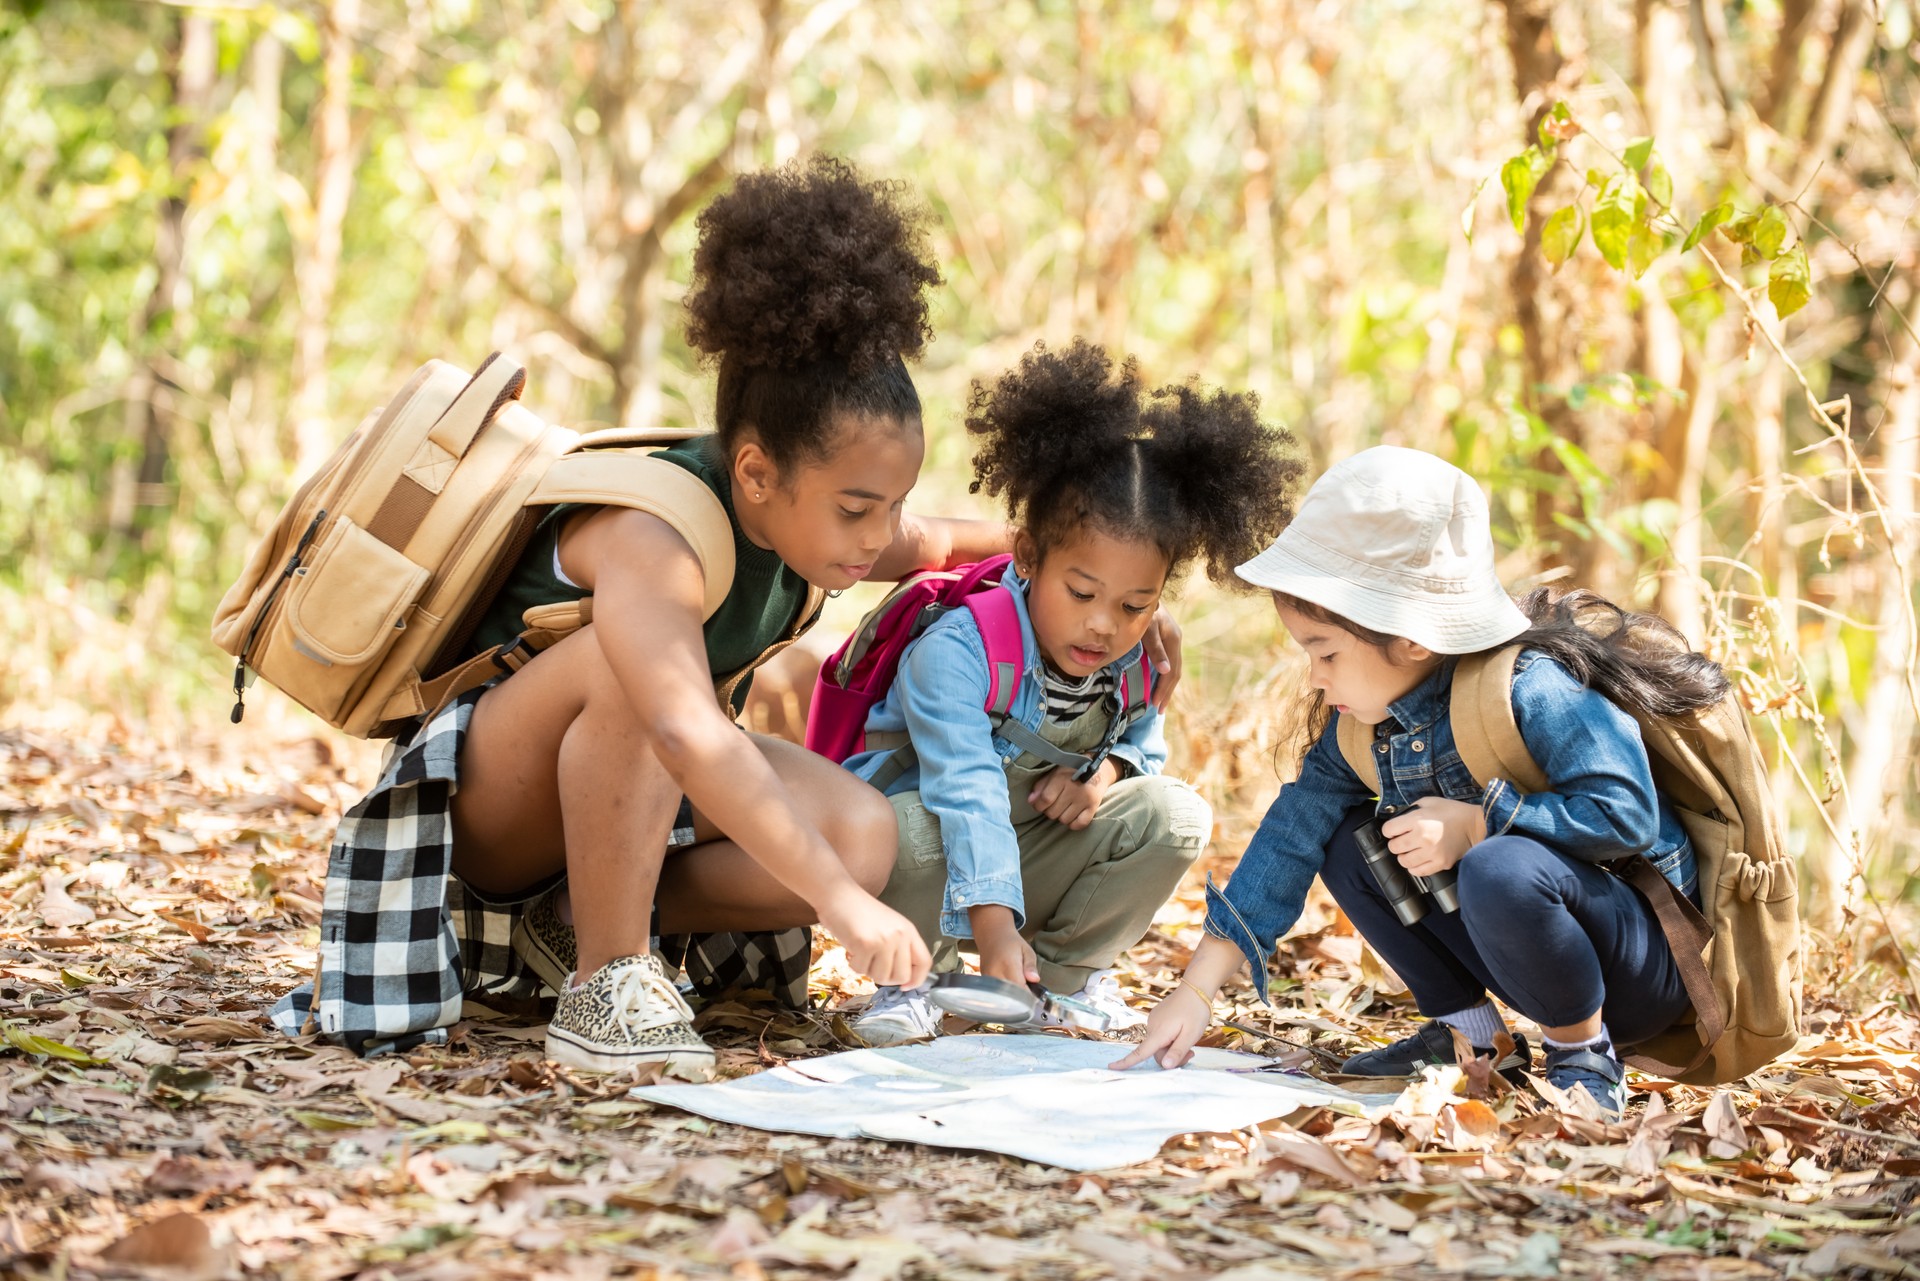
855, 677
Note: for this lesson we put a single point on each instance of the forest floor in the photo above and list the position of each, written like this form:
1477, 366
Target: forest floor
155, 900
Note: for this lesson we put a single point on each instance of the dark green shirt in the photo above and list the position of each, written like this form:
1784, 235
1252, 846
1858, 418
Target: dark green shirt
760, 610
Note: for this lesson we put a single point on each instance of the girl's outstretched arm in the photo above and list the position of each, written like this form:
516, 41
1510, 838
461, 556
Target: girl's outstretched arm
648, 590
1182, 1016
939, 542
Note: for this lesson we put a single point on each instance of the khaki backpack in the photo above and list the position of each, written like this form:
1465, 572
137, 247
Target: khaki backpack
359, 602
1739, 955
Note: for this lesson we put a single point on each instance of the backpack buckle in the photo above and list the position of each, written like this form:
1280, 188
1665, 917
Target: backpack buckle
511, 658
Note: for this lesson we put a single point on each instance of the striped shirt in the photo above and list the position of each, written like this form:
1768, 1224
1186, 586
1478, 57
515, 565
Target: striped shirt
1068, 699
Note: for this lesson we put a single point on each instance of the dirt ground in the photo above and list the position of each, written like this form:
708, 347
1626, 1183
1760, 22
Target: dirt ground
154, 901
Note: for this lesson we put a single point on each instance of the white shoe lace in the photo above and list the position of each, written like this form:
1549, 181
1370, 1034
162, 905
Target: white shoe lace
640, 991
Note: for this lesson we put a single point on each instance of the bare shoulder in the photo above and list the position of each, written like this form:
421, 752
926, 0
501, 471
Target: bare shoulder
604, 545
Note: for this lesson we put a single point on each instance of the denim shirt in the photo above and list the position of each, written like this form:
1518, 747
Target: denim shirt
1600, 804
939, 700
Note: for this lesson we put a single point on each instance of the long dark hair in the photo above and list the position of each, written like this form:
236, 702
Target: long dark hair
1639, 662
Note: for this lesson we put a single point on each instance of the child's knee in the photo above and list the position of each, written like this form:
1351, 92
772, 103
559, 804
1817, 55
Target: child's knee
1504, 870
1172, 818
869, 832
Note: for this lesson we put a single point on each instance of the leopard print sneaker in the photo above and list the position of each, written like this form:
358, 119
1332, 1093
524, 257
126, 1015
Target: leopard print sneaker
545, 942
627, 1015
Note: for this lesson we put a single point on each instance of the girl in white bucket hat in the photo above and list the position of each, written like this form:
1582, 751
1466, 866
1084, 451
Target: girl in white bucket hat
1385, 576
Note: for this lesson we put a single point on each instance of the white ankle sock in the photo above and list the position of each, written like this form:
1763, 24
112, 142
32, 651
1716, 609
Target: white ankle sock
1479, 1023
1602, 1043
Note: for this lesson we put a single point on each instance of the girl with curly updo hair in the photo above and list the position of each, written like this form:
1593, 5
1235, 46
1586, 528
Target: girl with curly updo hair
1045, 839
607, 757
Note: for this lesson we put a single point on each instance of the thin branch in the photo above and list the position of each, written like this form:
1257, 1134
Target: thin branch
460, 214
1902, 562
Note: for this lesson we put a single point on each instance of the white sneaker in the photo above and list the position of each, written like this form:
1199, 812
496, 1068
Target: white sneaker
1103, 994
899, 1016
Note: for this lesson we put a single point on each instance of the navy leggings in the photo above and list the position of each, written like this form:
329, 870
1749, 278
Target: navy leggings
1551, 936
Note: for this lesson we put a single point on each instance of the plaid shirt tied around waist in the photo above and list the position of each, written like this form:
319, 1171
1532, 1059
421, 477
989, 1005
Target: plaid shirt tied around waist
403, 941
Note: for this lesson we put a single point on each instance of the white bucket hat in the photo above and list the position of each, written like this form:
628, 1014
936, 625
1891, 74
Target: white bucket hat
1397, 541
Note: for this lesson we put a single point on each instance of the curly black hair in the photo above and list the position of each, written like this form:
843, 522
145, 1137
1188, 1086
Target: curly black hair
1070, 442
809, 293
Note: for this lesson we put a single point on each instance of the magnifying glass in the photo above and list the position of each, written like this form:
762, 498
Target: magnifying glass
981, 998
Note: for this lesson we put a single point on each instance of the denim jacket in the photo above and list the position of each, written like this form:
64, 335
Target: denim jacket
939, 700
1601, 804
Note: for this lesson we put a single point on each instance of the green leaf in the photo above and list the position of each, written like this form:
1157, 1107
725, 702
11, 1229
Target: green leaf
1789, 282
44, 1047
1519, 176
1561, 236
1643, 246
328, 1121
1613, 218
1595, 178
1770, 233
1708, 221
1740, 230
1466, 215
1556, 125
1637, 153
1660, 185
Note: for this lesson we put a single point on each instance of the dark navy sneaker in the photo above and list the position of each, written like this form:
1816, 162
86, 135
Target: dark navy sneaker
1595, 1068
1432, 1045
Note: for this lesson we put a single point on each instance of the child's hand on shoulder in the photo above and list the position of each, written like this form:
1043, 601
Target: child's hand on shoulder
1060, 798
1434, 834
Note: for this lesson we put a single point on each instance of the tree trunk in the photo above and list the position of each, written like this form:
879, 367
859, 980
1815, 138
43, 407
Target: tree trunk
139, 500
1543, 72
1786, 84
317, 269
1882, 753
1686, 433
1848, 49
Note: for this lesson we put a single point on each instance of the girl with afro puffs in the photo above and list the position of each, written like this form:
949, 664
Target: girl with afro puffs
1049, 871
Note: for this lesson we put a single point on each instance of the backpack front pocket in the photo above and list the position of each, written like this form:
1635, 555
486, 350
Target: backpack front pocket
345, 608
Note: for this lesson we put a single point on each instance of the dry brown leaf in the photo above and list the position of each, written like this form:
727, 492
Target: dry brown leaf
57, 909
180, 1243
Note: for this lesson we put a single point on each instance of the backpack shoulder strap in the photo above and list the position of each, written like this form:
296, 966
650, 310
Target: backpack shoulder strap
993, 611
1484, 729
1136, 689
1356, 745
636, 479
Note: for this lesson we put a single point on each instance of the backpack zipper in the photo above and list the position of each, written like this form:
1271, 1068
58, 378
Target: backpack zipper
259, 620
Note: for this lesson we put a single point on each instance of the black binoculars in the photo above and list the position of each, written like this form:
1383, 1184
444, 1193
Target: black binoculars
1406, 893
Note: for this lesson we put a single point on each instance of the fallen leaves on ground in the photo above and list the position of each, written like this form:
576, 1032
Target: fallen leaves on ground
154, 901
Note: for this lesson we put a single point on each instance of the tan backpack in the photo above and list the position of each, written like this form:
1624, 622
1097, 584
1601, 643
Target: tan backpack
1739, 955
360, 600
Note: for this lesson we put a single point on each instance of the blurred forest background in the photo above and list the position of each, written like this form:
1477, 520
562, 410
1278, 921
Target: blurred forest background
228, 230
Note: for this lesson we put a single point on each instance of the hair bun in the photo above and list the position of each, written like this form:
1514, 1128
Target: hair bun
811, 263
